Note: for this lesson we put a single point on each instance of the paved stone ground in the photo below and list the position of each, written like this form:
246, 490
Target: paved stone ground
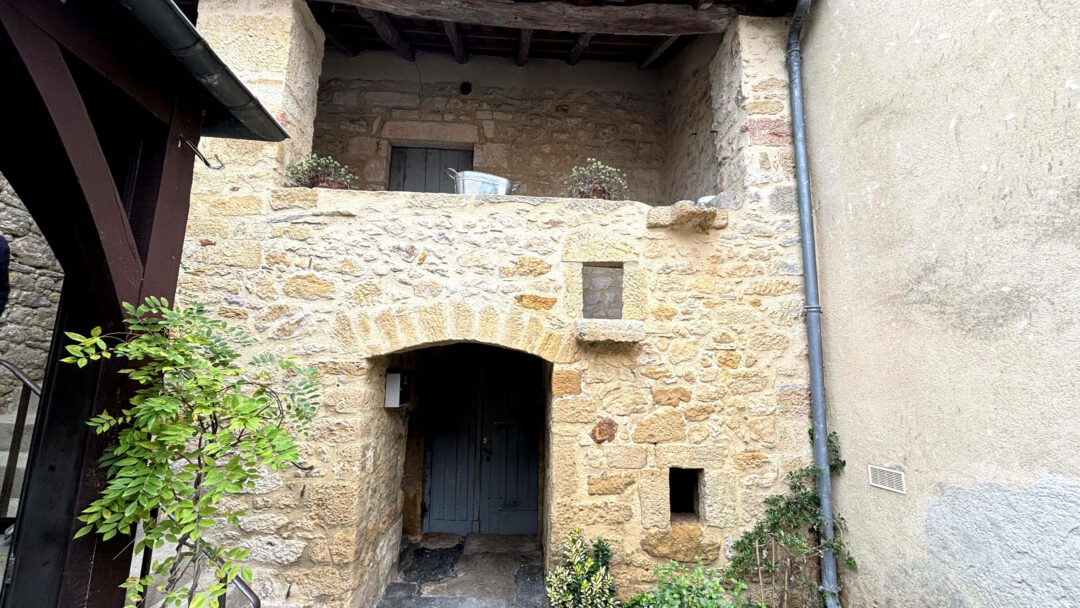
479, 571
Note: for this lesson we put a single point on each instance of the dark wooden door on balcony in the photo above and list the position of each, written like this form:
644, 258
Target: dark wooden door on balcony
424, 169
483, 440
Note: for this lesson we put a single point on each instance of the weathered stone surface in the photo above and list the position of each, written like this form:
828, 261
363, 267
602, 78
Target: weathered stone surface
610, 484
609, 330
684, 215
267, 523
308, 287
525, 266
682, 543
273, 550
670, 395
352, 280
626, 456
666, 425
749, 459
604, 431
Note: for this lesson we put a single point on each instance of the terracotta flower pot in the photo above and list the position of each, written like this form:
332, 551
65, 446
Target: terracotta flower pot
334, 183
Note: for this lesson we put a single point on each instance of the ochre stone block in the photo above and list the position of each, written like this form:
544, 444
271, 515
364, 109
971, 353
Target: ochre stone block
574, 409
670, 395
237, 205
682, 543
666, 425
535, 302
308, 287
565, 382
626, 456
610, 484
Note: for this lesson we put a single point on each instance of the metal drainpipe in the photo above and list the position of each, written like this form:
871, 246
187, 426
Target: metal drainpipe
813, 306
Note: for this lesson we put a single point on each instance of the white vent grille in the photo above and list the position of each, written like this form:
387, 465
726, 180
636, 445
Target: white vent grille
887, 479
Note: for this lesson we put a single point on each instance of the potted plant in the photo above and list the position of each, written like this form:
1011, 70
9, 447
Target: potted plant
321, 172
594, 179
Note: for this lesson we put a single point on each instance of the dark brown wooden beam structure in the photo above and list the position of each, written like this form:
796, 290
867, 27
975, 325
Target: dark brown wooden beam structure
456, 43
387, 32
638, 19
338, 37
524, 42
579, 48
103, 108
658, 51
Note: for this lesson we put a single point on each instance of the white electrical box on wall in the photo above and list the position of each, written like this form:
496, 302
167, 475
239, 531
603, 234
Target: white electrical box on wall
398, 389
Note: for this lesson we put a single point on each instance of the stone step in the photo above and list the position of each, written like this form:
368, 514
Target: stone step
20, 471
7, 429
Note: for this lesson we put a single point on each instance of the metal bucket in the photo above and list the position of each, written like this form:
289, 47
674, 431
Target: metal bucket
475, 182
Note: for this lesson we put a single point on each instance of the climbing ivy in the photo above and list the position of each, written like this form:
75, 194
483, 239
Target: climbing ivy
789, 533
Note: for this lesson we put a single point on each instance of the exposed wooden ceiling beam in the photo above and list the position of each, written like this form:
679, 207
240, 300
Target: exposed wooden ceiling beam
523, 46
579, 48
639, 19
455, 41
338, 36
658, 50
387, 32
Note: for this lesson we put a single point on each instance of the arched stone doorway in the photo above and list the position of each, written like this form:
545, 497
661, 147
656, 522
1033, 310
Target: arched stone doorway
475, 452
474, 468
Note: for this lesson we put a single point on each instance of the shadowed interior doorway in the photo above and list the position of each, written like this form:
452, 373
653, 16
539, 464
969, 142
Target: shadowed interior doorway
476, 440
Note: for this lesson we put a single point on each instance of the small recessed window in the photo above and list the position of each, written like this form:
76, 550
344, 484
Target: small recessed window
602, 290
683, 486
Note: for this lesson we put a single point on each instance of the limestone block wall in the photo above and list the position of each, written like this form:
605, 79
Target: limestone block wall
530, 124
35, 278
692, 165
715, 379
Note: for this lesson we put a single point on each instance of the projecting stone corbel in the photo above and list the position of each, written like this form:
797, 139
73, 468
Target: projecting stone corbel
687, 215
609, 330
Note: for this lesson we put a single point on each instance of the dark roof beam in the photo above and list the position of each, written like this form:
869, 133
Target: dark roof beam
658, 51
455, 41
387, 32
523, 46
337, 36
579, 48
638, 19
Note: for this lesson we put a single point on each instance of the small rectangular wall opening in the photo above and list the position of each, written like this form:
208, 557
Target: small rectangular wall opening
602, 290
683, 490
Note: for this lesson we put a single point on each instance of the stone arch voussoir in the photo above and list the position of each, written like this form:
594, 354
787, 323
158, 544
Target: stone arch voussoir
394, 330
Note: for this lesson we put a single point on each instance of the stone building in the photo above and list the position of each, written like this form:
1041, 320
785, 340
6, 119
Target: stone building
687, 387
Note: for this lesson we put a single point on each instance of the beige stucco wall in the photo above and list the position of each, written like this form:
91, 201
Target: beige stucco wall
530, 124
944, 158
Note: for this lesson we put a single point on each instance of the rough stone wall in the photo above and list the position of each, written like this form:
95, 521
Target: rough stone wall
530, 125
718, 382
35, 278
947, 198
714, 377
692, 166
276, 48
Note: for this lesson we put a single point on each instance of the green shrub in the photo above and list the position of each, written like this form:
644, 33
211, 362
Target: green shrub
199, 426
320, 172
594, 179
584, 581
680, 586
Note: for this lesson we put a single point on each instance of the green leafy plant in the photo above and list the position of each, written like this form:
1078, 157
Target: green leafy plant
680, 586
321, 172
198, 427
594, 179
788, 536
584, 580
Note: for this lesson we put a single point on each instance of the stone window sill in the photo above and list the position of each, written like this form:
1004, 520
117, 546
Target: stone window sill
609, 330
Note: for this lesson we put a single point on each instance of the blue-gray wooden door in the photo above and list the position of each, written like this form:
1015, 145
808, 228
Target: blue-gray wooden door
482, 457
424, 169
